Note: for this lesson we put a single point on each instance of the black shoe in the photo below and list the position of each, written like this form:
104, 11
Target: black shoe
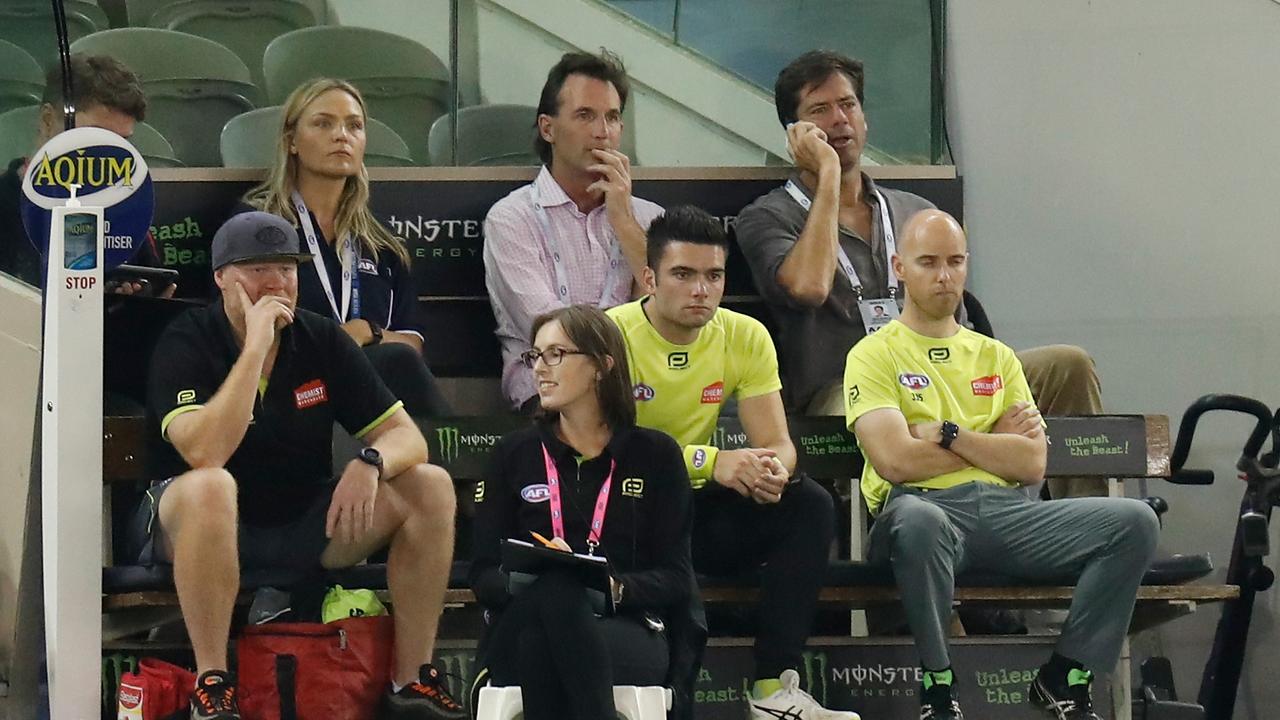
427, 699
938, 702
1068, 701
215, 697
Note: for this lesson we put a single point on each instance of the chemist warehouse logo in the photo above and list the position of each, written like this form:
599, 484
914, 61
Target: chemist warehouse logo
451, 442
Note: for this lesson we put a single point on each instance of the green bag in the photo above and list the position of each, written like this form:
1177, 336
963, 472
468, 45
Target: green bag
340, 603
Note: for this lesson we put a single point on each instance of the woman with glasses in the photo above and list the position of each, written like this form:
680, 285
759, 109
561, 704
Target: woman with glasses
359, 274
587, 480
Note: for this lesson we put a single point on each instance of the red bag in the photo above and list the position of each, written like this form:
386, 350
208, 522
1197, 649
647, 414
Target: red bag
314, 671
158, 691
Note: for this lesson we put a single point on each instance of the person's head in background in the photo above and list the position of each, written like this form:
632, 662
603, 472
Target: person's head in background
579, 361
826, 89
320, 148
580, 110
105, 94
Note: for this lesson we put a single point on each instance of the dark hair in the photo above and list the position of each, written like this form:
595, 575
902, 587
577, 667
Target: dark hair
605, 66
812, 68
683, 223
97, 80
596, 335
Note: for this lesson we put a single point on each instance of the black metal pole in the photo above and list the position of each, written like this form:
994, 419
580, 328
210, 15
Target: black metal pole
64, 57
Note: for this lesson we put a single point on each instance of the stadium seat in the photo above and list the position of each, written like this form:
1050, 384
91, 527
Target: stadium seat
487, 135
193, 85
140, 11
249, 140
29, 25
18, 131
405, 85
21, 79
245, 28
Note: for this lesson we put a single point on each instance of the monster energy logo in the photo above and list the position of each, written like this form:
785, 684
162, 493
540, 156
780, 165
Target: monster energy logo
815, 675
458, 667
447, 438
452, 441
726, 440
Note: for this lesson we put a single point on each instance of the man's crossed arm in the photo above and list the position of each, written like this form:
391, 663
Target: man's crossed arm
1015, 449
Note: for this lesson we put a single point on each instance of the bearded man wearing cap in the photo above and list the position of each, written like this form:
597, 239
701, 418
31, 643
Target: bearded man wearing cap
244, 394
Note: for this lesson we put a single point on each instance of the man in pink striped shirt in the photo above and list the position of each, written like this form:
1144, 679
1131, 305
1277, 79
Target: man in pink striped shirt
575, 234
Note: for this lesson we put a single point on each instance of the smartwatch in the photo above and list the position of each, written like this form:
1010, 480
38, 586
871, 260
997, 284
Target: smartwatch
375, 330
369, 455
949, 432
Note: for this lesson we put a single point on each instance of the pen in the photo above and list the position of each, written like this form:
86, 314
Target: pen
543, 540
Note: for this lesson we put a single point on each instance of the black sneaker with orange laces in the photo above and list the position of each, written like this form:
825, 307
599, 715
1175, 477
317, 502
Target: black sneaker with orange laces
427, 699
215, 697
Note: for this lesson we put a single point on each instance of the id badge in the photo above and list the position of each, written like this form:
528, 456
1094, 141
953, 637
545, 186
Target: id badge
877, 313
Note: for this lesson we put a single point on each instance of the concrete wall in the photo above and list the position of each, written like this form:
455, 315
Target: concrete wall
1121, 170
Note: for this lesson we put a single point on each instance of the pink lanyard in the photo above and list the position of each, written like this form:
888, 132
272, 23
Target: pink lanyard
557, 515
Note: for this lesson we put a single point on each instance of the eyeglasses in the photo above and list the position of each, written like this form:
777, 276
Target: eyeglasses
551, 356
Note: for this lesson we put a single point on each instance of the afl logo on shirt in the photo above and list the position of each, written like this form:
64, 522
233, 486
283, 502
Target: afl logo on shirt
642, 392
536, 493
987, 385
913, 381
713, 394
310, 394
368, 267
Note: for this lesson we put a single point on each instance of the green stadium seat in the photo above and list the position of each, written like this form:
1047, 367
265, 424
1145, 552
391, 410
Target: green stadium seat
18, 131
243, 27
193, 85
139, 12
488, 135
29, 25
249, 141
21, 79
404, 84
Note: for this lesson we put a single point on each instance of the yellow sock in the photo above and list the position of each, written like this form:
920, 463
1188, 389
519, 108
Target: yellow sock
764, 688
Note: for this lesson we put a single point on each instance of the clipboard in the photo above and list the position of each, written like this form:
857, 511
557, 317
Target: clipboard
520, 557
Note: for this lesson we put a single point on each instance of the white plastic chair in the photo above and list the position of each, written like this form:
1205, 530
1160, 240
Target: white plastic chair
633, 703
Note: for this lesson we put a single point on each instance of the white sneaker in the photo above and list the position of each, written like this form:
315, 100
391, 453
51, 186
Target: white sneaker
792, 703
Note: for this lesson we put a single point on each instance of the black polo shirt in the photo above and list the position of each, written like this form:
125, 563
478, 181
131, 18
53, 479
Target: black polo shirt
646, 529
320, 376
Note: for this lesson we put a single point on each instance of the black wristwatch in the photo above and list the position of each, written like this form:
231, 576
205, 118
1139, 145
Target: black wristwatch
949, 432
370, 456
375, 330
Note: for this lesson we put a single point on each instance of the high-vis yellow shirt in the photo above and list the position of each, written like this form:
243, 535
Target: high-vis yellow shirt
967, 378
679, 389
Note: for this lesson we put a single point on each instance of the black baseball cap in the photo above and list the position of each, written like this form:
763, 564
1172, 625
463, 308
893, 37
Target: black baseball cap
256, 236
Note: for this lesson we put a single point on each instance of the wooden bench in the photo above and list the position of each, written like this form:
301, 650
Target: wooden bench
1122, 446
1115, 447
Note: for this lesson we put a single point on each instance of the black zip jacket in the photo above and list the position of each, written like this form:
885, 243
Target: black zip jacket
646, 528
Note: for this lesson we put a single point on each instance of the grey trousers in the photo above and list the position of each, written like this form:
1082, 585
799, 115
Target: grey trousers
930, 536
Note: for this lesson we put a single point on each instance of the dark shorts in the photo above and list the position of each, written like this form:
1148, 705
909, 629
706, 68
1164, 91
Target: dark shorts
296, 545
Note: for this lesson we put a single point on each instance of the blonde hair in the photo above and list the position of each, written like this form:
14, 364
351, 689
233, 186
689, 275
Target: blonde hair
274, 195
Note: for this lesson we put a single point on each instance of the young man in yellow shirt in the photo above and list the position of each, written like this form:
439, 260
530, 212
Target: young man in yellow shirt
687, 356
950, 433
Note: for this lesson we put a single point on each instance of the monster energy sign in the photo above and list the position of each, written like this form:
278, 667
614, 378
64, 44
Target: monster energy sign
455, 444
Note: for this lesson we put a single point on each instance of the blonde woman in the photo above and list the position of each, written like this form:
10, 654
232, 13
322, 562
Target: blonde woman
359, 275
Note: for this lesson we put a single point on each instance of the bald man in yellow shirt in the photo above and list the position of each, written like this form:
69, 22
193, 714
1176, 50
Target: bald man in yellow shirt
951, 433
